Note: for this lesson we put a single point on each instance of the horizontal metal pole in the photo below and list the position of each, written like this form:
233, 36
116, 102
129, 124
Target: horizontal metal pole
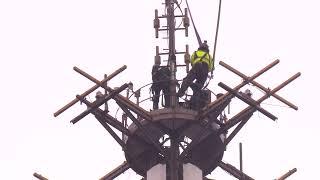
89, 91
116, 172
143, 113
292, 78
175, 53
285, 176
39, 176
213, 105
108, 118
235, 119
249, 101
166, 29
234, 171
258, 85
98, 103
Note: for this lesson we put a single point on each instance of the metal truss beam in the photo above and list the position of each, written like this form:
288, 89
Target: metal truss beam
213, 105
74, 101
244, 120
98, 103
108, 118
234, 171
237, 118
266, 90
248, 100
101, 118
145, 131
116, 172
136, 109
111, 132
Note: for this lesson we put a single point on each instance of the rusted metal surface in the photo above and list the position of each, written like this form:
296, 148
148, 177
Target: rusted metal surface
286, 175
104, 99
234, 171
248, 100
116, 172
39, 176
89, 91
132, 106
236, 119
266, 90
213, 105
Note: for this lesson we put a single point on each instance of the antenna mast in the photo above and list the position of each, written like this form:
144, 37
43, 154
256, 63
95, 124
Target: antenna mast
172, 50
183, 141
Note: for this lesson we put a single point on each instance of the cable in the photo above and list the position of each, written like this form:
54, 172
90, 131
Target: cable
194, 27
215, 43
178, 6
217, 30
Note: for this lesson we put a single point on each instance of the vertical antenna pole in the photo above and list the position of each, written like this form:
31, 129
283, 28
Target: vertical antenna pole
106, 108
172, 51
240, 155
174, 147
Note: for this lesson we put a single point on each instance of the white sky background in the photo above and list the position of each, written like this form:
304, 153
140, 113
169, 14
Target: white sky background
40, 42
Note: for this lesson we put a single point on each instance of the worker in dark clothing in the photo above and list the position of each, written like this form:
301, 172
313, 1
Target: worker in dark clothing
161, 82
201, 63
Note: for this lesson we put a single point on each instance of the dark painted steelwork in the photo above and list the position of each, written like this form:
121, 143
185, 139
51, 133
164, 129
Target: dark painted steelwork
143, 141
98, 103
89, 91
244, 120
116, 172
240, 160
100, 118
146, 133
234, 171
107, 118
172, 51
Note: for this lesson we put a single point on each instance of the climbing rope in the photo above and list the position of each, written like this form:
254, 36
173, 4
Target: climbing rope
215, 43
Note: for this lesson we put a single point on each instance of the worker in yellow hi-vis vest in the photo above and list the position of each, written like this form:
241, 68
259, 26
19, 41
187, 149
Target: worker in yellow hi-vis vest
202, 63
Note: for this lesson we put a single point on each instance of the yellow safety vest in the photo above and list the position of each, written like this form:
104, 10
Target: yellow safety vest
202, 56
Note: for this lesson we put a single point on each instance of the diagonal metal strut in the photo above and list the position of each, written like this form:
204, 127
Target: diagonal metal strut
248, 100
116, 172
98, 103
74, 101
146, 133
213, 105
234, 171
237, 118
266, 90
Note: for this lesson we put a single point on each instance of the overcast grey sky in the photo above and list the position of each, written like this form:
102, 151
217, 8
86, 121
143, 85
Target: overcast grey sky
41, 40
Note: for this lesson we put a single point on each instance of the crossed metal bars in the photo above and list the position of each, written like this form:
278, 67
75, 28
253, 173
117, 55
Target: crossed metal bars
217, 106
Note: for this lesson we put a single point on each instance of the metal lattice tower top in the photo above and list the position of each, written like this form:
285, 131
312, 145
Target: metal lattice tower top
176, 136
